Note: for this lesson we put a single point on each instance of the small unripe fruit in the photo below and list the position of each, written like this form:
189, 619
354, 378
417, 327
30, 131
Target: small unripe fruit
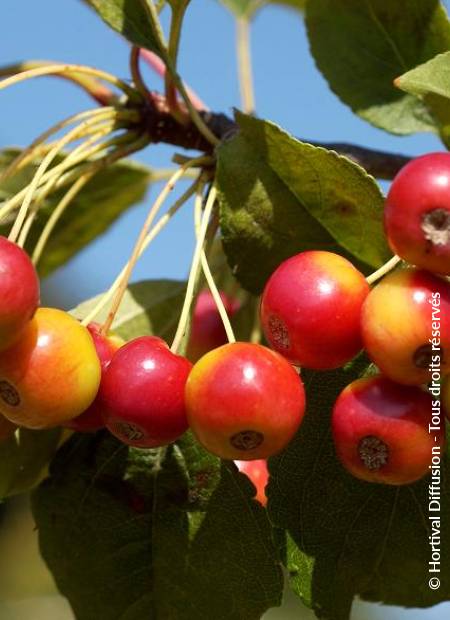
244, 401
51, 374
311, 307
7, 429
91, 420
207, 330
142, 393
19, 292
258, 474
406, 326
417, 213
381, 431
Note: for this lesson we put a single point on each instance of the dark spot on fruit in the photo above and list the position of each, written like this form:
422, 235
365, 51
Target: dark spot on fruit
130, 431
436, 226
279, 333
373, 452
9, 394
246, 440
423, 356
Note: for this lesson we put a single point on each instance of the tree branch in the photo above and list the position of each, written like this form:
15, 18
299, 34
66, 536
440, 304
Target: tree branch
162, 127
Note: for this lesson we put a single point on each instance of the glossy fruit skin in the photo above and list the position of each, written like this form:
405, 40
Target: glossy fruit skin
7, 429
142, 393
244, 401
51, 374
397, 325
207, 331
19, 292
417, 213
380, 431
91, 420
258, 474
310, 310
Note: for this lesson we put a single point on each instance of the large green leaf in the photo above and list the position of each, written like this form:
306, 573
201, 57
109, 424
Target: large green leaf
346, 537
431, 82
109, 193
280, 196
23, 458
130, 19
148, 307
362, 46
166, 533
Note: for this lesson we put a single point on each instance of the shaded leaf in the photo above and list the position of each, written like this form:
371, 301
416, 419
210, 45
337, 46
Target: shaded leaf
130, 19
23, 458
279, 196
165, 533
148, 307
104, 198
361, 47
346, 537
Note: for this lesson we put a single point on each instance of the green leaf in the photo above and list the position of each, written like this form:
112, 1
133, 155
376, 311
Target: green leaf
23, 458
148, 307
431, 82
280, 196
109, 193
361, 47
165, 533
130, 19
348, 538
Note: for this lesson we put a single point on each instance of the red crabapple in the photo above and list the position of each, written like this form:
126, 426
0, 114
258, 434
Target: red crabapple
207, 330
258, 474
417, 213
142, 393
19, 292
51, 374
91, 420
400, 322
381, 431
244, 401
311, 307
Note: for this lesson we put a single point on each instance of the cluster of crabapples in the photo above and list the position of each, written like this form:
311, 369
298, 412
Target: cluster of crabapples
245, 401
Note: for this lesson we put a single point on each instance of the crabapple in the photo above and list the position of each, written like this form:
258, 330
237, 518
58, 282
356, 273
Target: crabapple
405, 325
381, 431
244, 401
19, 292
310, 309
142, 393
417, 213
91, 420
7, 429
258, 474
207, 331
51, 374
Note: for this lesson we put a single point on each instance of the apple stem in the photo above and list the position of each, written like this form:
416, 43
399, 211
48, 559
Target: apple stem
383, 270
169, 186
73, 134
193, 273
207, 271
245, 64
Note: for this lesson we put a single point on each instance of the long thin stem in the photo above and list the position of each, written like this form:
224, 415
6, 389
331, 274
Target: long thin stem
173, 46
141, 238
138, 80
61, 69
185, 312
29, 152
245, 64
75, 132
56, 214
158, 227
207, 271
383, 270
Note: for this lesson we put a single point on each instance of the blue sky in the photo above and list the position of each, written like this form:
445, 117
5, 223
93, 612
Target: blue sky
289, 91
